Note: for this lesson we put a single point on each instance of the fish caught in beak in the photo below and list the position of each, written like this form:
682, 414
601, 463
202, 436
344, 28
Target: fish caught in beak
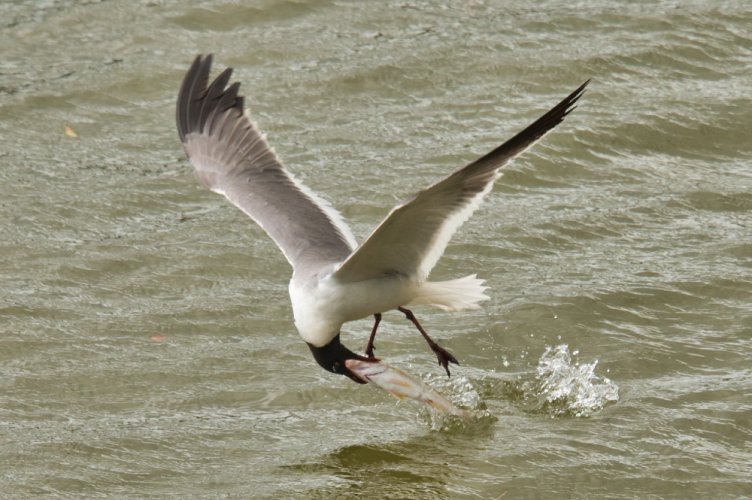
400, 385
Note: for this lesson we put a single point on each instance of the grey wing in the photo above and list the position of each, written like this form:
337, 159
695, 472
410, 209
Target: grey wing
415, 233
232, 157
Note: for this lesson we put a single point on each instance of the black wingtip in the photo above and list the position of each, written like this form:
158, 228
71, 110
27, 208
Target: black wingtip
552, 118
569, 103
533, 132
198, 100
194, 81
572, 98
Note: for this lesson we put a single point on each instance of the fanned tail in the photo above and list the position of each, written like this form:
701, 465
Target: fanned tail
453, 295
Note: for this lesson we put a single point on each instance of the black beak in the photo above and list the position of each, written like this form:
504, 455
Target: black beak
332, 356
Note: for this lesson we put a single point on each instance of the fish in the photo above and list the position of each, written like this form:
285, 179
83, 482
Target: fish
402, 386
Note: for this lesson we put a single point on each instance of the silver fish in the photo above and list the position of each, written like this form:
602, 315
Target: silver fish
400, 385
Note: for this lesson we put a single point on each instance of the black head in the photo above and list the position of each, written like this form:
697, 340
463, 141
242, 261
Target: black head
332, 356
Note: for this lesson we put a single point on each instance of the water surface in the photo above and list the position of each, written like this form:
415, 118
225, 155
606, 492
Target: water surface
146, 344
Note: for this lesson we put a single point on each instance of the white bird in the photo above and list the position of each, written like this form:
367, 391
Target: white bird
334, 279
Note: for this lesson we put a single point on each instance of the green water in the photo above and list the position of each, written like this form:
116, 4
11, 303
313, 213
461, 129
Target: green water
146, 341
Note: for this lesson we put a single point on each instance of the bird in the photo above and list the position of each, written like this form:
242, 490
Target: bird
335, 279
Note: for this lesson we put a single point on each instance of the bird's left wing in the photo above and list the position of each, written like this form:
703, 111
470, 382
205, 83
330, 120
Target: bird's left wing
415, 233
232, 158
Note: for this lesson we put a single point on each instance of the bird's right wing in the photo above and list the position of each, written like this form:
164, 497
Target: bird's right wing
415, 233
232, 158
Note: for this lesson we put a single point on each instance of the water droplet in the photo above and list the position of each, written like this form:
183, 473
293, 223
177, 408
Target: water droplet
564, 386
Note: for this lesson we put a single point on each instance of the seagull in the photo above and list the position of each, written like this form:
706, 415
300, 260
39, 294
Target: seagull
336, 280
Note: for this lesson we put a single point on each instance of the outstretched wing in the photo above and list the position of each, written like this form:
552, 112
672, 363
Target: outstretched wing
232, 157
415, 233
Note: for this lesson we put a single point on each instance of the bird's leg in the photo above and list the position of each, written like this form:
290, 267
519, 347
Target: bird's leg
369, 346
444, 356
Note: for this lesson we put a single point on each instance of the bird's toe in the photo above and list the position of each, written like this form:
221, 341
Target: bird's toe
445, 357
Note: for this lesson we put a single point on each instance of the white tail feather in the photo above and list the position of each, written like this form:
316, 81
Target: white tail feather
453, 295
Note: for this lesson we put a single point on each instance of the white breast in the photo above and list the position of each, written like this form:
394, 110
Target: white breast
320, 309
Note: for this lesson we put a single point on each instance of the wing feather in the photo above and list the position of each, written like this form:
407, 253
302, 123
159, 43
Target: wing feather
415, 234
233, 158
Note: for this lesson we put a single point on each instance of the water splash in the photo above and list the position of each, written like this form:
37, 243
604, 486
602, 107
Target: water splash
561, 386
565, 387
461, 392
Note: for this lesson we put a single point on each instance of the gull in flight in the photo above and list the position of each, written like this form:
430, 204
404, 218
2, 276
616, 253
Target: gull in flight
335, 279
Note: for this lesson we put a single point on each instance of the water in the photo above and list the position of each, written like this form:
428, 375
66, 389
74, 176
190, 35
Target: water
146, 343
